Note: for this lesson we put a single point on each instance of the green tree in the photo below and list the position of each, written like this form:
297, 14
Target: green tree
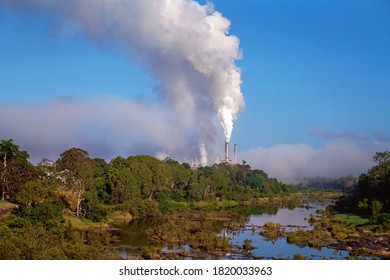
150, 173
9, 151
15, 169
179, 178
72, 159
376, 207
38, 191
77, 170
123, 185
375, 184
197, 189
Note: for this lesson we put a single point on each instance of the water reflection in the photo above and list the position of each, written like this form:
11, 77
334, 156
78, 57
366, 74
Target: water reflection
245, 226
290, 218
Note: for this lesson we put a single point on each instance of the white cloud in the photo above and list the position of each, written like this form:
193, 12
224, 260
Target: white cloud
336, 158
106, 127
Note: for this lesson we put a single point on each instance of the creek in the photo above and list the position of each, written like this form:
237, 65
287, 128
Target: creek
134, 236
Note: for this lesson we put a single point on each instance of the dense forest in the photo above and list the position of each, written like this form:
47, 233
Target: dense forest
43, 197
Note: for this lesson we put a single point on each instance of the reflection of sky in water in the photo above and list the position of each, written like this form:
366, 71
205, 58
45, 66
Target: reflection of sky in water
284, 217
280, 248
135, 237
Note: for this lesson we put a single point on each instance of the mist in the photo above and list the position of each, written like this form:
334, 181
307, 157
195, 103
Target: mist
337, 158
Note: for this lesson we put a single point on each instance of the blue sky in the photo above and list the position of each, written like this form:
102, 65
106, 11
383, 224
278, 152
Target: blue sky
316, 84
314, 64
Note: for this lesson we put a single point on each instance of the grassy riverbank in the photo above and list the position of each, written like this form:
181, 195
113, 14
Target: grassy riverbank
359, 235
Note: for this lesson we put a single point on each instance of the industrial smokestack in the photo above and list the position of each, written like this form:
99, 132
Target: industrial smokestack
226, 151
235, 153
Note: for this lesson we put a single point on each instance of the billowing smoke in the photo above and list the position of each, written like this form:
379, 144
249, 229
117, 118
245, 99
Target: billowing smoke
184, 45
203, 153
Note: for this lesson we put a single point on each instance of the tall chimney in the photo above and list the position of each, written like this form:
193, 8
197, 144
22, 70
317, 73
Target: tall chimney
226, 151
235, 153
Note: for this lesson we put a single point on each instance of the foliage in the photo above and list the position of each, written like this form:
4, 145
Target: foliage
10, 151
271, 231
38, 191
299, 257
39, 232
347, 183
15, 170
303, 238
375, 185
372, 197
351, 219
384, 221
141, 185
81, 191
72, 160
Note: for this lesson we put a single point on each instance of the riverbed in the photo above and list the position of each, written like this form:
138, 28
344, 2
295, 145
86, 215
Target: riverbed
245, 227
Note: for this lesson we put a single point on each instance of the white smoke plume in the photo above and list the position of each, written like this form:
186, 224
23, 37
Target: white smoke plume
184, 45
203, 153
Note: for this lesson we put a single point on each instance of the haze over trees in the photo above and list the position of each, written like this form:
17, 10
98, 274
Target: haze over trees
347, 183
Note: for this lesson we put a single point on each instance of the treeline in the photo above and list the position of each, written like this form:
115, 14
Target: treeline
47, 197
78, 186
347, 183
372, 196
141, 185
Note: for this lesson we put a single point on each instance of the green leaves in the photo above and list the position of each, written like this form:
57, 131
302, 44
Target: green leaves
374, 186
15, 169
72, 160
38, 191
9, 152
123, 185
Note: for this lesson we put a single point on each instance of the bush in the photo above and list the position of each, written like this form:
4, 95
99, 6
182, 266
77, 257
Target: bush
299, 257
384, 221
45, 213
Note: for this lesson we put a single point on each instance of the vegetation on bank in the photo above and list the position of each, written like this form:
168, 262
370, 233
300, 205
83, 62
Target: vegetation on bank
371, 199
360, 220
59, 208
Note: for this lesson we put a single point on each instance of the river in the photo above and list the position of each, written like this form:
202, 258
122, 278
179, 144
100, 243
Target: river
134, 236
